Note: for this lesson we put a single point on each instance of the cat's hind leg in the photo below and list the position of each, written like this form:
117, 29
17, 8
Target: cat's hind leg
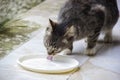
108, 36
95, 24
91, 43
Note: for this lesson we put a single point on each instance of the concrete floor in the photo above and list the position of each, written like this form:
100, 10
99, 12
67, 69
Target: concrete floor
104, 66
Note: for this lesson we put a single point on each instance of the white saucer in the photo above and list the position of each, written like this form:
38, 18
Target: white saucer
39, 63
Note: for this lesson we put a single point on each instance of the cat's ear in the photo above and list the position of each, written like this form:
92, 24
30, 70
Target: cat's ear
53, 24
70, 31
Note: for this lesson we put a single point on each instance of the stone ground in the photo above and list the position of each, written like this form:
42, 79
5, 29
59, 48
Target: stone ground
103, 66
12, 27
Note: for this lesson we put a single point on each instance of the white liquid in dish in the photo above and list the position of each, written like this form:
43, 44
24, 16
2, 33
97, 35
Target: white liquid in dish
44, 64
40, 63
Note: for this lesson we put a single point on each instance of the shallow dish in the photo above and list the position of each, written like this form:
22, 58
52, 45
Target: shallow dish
39, 63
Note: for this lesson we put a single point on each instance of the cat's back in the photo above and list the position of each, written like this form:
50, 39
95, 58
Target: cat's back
79, 9
75, 9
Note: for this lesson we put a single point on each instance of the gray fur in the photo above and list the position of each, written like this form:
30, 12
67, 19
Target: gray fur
79, 19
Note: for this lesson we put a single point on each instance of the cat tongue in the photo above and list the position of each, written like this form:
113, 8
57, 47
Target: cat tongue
50, 57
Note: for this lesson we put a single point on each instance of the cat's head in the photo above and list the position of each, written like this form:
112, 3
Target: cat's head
58, 37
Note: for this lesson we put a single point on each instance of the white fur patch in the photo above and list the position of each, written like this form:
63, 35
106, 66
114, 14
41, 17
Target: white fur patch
65, 52
98, 7
65, 41
90, 51
70, 31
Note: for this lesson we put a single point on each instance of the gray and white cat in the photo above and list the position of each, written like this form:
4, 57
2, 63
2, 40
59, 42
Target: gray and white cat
81, 19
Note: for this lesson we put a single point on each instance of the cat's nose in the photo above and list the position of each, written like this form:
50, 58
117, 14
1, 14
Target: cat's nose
50, 52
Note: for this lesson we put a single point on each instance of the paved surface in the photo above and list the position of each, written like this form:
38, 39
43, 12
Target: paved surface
104, 66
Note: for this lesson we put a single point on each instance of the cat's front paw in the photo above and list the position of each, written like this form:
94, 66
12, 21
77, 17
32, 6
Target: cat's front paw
67, 52
90, 52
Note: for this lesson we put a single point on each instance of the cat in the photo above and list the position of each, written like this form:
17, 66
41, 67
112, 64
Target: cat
80, 19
